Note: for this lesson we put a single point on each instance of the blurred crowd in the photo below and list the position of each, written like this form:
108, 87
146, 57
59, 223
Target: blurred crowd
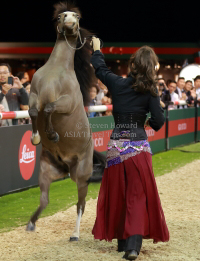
172, 91
169, 91
14, 97
14, 93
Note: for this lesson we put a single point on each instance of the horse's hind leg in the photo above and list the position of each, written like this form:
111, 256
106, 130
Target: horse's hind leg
82, 186
50, 170
33, 112
83, 172
44, 183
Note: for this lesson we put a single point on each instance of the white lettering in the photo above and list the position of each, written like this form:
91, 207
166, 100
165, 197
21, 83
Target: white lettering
27, 156
98, 142
150, 132
182, 126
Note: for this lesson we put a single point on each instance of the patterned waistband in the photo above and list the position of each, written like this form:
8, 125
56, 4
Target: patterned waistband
122, 149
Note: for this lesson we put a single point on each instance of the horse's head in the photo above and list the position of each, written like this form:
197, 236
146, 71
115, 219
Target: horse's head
68, 22
67, 17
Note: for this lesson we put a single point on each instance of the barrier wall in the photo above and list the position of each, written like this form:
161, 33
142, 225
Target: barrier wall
19, 159
198, 124
181, 127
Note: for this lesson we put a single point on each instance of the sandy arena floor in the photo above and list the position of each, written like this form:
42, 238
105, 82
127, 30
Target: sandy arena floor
180, 196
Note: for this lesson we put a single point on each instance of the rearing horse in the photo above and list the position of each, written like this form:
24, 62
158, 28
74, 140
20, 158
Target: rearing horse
59, 120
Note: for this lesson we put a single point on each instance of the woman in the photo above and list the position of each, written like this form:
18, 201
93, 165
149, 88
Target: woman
93, 96
129, 207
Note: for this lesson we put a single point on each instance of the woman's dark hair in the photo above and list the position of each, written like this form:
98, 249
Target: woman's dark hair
20, 75
142, 69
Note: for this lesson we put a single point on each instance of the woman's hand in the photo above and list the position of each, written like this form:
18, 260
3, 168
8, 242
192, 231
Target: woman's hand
95, 44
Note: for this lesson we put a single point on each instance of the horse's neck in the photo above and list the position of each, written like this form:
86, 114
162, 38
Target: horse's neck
63, 54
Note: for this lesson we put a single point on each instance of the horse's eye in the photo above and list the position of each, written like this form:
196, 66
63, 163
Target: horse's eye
78, 16
58, 17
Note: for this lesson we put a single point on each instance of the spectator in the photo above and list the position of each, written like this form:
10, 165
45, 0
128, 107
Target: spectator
161, 92
23, 76
188, 86
102, 92
180, 88
16, 96
162, 85
197, 86
93, 95
191, 95
164, 94
27, 86
181, 91
106, 101
168, 83
171, 95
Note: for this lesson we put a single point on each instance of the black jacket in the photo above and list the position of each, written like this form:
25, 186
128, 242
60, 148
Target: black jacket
124, 98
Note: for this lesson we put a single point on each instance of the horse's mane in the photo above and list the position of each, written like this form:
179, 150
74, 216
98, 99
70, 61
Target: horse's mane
84, 71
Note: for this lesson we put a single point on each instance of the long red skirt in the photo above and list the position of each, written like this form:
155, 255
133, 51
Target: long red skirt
128, 202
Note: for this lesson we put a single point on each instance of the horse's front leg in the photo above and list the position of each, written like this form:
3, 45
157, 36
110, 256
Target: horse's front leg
82, 172
62, 105
33, 112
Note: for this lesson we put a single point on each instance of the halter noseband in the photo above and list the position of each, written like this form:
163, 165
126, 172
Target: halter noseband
79, 35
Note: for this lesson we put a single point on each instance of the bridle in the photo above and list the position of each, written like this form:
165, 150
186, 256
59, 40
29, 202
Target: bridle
79, 35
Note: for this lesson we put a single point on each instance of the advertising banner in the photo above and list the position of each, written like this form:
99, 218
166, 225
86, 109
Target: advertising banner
181, 127
19, 159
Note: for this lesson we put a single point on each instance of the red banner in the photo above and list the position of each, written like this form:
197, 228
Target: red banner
183, 126
155, 135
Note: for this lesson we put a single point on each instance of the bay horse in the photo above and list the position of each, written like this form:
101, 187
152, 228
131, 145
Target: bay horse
59, 92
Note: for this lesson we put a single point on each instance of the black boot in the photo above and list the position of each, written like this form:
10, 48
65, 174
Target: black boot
133, 246
132, 255
121, 245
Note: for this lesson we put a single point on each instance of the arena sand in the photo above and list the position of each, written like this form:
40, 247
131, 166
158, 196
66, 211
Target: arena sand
180, 196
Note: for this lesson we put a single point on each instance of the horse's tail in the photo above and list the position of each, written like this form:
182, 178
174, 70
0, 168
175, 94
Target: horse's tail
99, 163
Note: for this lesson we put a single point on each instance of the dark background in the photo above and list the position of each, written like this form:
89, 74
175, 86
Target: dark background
112, 21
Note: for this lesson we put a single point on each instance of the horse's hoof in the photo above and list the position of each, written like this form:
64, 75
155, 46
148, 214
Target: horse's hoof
30, 227
73, 239
56, 139
35, 139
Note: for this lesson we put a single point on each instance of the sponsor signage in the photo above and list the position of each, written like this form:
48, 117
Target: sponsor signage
182, 126
27, 156
101, 139
155, 135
